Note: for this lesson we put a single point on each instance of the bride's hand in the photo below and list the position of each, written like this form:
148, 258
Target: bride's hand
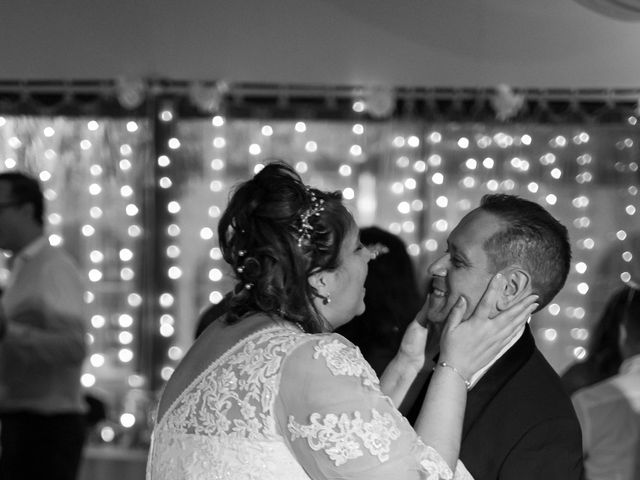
470, 345
414, 340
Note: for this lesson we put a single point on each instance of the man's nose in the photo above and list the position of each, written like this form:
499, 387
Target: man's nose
439, 267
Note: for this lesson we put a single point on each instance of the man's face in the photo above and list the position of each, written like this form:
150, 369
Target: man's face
464, 270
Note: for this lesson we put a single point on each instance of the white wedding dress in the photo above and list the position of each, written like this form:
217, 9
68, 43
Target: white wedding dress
285, 405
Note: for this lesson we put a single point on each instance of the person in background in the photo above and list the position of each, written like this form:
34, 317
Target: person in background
519, 423
42, 343
269, 392
609, 411
604, 348
391, 299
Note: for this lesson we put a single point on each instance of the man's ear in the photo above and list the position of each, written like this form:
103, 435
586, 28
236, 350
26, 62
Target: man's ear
518, 285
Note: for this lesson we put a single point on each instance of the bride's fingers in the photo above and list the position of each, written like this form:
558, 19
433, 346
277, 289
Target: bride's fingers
489, 297
457, 313
516, 314
515, 325
421, 316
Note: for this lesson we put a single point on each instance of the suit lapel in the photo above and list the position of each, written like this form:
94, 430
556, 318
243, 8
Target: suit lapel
495, 378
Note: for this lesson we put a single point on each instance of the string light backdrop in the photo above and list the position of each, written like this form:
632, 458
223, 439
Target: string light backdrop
418, 181
136, 197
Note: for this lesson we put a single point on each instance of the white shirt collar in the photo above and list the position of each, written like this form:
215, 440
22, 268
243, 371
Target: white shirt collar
23, 255
27, 252
631, 364
32, 248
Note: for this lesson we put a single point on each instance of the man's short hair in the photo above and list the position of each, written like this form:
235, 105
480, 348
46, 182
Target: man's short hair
26, 189
531, 238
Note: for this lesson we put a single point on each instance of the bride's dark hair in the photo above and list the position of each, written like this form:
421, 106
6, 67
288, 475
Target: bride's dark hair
274, 233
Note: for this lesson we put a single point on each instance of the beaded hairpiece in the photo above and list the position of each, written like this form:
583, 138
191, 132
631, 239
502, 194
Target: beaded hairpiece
305, 229
378, 249
240, 268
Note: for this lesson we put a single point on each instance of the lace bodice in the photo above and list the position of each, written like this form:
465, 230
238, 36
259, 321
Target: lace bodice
282, 404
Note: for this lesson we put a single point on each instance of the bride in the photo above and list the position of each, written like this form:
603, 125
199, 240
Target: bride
270, 393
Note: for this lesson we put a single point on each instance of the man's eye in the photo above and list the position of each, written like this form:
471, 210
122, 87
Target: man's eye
457, 263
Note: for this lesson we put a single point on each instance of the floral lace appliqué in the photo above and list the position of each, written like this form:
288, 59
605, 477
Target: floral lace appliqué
236, 398
341, 437
433, 466
343, 359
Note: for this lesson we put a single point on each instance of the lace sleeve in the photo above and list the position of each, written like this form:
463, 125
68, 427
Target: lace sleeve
338, 424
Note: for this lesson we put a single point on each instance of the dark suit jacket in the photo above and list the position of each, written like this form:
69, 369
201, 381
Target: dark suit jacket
519, 423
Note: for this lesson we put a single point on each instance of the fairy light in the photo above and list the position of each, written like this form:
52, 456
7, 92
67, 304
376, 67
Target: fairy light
435, 137
413, 141
215, 275
127, 274
215, 297
98, 321
395, 228
431, 245
88, 380
404, 207
420, 166
166, 372
355, 150
125, 337
403, 161
217, 164
345, 170
166, 114
97, 360
255, 149
488, 163
127, 420
175, 353
348, 193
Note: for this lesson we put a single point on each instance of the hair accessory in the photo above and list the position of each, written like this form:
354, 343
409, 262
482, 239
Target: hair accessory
305, 229
248, 286
377, 249
467, 383
242, 253
240, 269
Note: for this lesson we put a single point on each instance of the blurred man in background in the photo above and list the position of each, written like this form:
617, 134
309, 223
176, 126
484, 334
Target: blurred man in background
42, 344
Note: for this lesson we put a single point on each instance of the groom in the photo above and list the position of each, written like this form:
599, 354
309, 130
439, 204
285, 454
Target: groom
519, 423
